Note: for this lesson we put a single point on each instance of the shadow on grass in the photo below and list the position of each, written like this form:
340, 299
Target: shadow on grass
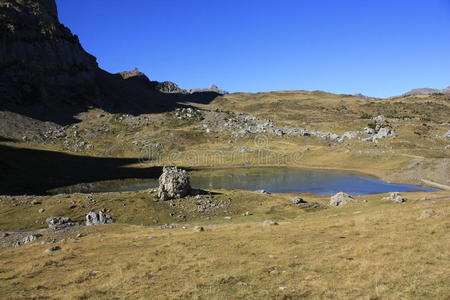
109, 92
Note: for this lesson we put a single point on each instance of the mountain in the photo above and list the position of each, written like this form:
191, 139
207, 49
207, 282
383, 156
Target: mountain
46, 74
40, 58
427, 91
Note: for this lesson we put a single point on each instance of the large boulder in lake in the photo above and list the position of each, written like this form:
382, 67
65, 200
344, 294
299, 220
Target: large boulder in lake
341, 198
99, 218
173, 184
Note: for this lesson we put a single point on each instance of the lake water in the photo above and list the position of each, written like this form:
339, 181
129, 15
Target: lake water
275, 180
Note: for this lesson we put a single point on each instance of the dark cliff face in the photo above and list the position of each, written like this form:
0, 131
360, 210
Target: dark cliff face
45, 73
39, 57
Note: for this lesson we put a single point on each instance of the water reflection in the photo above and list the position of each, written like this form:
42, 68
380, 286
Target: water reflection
276, 180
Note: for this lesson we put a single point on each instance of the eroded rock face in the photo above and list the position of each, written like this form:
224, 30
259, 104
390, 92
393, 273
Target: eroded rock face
60, 222
99, 218
173, 183
341, 198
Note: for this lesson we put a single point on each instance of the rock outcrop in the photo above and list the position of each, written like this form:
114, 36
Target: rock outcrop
99, 218
25, 240
45, 73
60, 222
341, 198
39, 56
395, 197
173, 183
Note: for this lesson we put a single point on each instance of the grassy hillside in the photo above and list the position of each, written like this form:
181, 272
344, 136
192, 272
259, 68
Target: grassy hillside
373, 250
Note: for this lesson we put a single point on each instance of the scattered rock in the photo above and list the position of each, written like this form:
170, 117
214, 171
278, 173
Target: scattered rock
247, 213
395, 197
228, 218
298, 201
173, 184
41, 210
53, 249
4, 235
270, 223
25, 240
379, 119
36, 202
379, 133
341, 198
262, 192
59, 222
199, 229
427, 213
93, 218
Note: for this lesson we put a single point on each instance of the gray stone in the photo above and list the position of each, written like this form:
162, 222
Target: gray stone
99, 218
298, 200
395, 197
54, 248
270, 223
341, 198
25, 240
173, 183
59, 222
199, 229
262, 192
447, 134
379, 119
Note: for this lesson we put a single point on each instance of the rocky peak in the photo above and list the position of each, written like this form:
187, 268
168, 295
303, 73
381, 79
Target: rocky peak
132, 74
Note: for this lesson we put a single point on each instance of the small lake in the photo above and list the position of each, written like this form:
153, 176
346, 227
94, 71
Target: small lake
274, 180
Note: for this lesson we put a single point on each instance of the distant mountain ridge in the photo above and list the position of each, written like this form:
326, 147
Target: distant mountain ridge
427, 91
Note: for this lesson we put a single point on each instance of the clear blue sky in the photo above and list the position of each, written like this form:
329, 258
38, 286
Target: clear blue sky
375, 47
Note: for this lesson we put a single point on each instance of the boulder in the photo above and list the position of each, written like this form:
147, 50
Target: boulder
270, 223
262, 192
199, 229
298, 201
395, 197
59, 222
93, 218
53, 249
341, 198
379, 119
173, 184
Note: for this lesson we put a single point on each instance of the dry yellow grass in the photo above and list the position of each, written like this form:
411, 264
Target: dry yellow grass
373, 250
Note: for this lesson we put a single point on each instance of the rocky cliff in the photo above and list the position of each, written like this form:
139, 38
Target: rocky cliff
39, 57
46, 74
